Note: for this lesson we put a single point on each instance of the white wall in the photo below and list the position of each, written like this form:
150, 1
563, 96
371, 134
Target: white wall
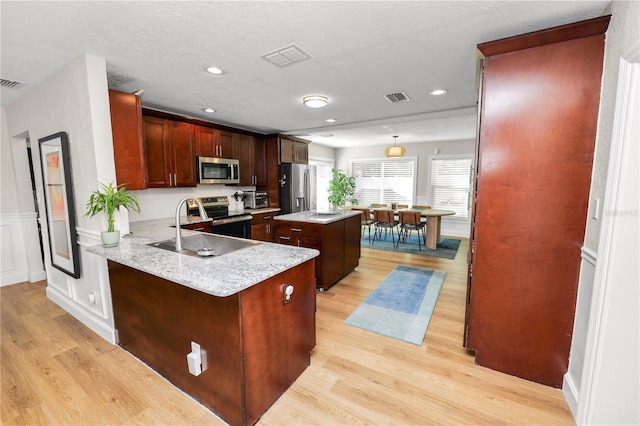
74, 100
602, 382
451, 226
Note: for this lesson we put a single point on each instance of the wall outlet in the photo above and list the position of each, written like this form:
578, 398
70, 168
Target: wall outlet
194, 359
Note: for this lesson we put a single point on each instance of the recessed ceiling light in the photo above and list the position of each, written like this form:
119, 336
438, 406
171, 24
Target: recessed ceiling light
330, 120
209, 110
315, 101
214, 70
438, 92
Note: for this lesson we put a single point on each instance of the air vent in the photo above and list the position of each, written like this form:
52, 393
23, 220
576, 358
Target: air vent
397, 97
11, 84
286, 56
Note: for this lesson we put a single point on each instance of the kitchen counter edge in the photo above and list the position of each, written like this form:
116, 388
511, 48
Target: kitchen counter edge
318, 217
220, 276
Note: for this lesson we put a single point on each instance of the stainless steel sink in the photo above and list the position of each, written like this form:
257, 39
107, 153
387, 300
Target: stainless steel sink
206, 245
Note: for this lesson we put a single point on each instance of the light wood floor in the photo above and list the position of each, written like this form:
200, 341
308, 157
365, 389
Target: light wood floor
55, 371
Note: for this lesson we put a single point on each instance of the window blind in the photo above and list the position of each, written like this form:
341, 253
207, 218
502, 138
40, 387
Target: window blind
450, 184
384, 180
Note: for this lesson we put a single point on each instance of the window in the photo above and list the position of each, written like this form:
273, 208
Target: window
323, 176
385, 180
451, 183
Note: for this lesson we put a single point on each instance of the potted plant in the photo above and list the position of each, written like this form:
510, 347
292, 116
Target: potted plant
108, 199
341, 188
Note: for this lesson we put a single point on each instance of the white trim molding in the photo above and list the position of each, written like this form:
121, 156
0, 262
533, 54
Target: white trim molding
609, 391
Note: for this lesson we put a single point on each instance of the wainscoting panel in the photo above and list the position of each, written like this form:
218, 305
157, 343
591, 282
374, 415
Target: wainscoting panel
572, 382
89, 297
20, 256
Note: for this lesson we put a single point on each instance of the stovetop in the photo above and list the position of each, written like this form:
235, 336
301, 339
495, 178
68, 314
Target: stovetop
217, 207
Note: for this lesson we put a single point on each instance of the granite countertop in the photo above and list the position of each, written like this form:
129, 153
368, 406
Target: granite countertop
322, 217
219, 275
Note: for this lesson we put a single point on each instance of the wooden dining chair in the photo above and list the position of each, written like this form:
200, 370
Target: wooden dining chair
384, 219
367, 221
415, 206
378, 205
411, 221
403, 206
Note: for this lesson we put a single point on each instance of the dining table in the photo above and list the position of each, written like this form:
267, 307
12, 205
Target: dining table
433, 219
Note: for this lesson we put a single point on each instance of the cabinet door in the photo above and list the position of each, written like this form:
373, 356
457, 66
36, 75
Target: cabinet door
128, 139
244, 150
259, 162
155, 139
286, 151
225, 144
301, 152
183, 154
206, 141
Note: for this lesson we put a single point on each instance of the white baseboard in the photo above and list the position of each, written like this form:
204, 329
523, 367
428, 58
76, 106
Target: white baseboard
103, 330
571, 394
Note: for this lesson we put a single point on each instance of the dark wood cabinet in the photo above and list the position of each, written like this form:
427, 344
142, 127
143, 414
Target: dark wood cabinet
212, 142
538, 118
250, 153
255, 345
293, 151
128, 140
199, 226
171, 153
263, 226
338, 243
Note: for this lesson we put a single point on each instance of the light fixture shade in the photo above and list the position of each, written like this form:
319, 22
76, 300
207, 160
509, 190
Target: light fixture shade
395, 151
315, 101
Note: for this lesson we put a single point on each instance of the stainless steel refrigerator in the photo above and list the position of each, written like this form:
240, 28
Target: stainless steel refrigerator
297, 188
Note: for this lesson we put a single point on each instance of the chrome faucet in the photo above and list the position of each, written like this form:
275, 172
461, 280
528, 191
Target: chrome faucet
203, 215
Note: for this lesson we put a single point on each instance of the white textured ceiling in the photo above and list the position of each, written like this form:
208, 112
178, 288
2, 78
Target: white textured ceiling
360, 51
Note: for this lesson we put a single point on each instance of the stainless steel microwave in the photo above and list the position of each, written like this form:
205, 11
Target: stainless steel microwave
218, 170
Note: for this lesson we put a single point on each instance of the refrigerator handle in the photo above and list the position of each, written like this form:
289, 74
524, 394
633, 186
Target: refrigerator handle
307, 190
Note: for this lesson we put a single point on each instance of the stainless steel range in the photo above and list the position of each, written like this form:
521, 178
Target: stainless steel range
225, 221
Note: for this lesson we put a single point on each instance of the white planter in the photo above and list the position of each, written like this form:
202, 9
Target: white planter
110, 239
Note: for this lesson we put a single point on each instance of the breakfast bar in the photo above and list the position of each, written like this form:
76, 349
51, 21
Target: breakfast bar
232, 331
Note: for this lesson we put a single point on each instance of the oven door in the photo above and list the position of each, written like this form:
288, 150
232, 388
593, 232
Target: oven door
233, 226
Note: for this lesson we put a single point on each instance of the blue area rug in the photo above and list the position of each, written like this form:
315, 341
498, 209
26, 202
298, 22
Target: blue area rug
401, 305
447, 247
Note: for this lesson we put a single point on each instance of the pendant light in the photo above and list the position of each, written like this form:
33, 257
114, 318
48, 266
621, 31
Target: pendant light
395, 150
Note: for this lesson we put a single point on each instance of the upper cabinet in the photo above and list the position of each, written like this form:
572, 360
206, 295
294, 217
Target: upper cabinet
128, 140
293, 151
212, 142
251, 154
171, 153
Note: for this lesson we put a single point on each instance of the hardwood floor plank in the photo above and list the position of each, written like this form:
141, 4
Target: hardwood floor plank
57, 371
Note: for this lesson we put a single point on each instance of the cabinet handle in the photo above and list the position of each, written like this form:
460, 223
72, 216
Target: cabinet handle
285, 238
170, 179
287, 291
266, 218
296, 229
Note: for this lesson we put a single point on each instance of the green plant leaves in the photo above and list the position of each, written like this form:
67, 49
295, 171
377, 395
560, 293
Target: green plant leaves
108, 199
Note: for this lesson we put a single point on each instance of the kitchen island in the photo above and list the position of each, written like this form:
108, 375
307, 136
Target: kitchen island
254, 339
335, 234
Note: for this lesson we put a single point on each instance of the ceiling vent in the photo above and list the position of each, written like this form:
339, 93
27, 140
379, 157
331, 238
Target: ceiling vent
11, 84
286, 56
397, 97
